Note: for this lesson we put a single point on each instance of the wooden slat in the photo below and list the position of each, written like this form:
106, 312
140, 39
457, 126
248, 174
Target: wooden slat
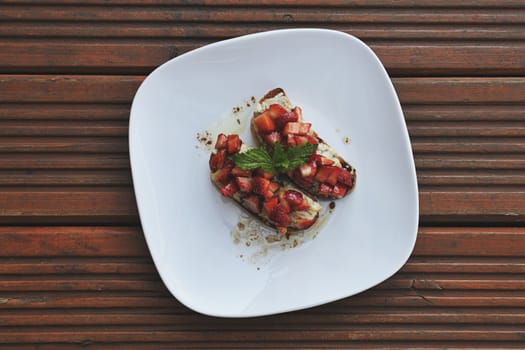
96, 205
303, 3
63, 161
65, 178
64, 128
234, 14
58, 111
141, 58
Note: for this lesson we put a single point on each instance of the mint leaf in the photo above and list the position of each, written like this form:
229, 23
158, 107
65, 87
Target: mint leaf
298, 155
280, 158
254, 158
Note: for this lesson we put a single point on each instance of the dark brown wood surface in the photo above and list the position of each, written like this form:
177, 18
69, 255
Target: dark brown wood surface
74, 268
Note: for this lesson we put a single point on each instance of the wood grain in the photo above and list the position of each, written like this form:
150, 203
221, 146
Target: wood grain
75, 271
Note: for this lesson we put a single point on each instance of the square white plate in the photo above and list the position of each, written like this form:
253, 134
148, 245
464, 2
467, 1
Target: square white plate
346, 93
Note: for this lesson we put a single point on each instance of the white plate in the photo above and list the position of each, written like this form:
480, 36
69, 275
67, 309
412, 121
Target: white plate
345, 91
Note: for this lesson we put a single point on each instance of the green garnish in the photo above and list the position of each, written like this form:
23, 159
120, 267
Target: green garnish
281, 159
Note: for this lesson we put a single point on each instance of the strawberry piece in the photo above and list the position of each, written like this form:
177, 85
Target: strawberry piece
217, 160
308, 169
260, 185
264, 123
288, 117
332, 178
274, 186
323, 173
244, 183
339, 191
346, 178
229, 189
284, 203
296, 128
325, 190
234, 143
222, 176
240, 172
272, 138
280, 216
303, 206
261, 173
276, 110
305, 182
312, 139
222, 141
320, 160
299, 112
294, 198
304, 223
269, 204
252, 203
291, 141
301, 140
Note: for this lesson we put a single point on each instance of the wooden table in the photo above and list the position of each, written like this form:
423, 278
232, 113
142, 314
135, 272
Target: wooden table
75, 271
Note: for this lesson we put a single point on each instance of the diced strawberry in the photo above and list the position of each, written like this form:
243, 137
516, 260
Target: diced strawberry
269, 204
312, 139
308, 169
323, 173
222, 141
339, 191
296, 128
240, 172
301, 140
286, 118
294, 198
260, 185
280, 216
303, 206
299, 112
284, 203
264, 123
325, 190
234, 143
272, 138
345, 177
291, 141
268, 194
252, 203
305, 182
222, 176
217, 160
213, 162
276, 110
273, 186
244, 183
332, 179
228, 163
261, 173
304, 223
321, 160
229, 189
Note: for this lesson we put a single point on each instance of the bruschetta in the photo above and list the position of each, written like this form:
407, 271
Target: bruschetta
271, 197
326, 174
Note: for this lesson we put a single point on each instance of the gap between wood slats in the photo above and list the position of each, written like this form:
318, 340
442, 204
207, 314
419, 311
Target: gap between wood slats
237, 14
96, 56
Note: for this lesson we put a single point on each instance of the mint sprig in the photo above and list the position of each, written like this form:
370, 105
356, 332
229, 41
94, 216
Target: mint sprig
280, 160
